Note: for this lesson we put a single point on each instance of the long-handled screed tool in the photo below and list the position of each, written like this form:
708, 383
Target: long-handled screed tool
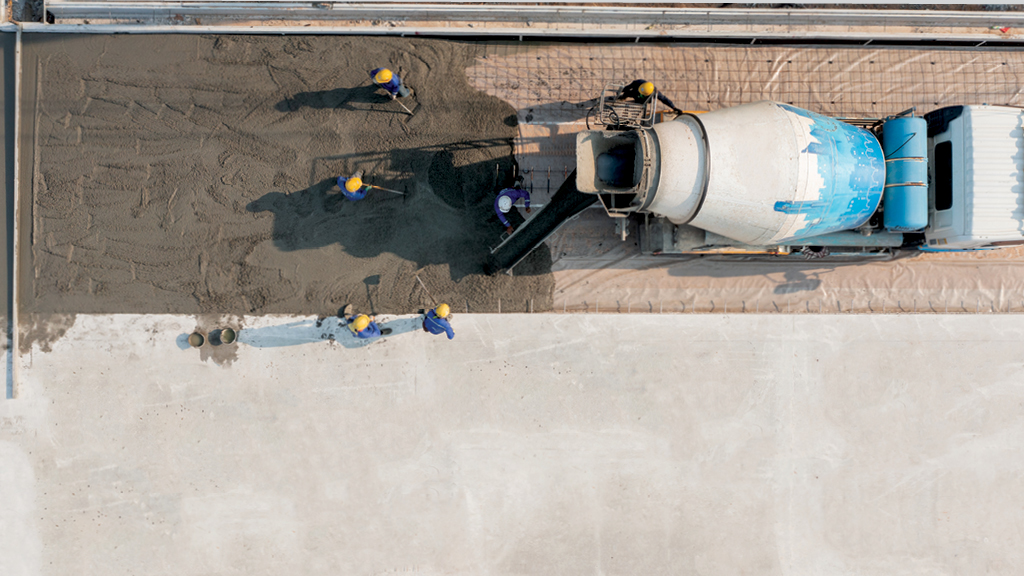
386, 189
425, 290
432, 299
395, 98
403, 106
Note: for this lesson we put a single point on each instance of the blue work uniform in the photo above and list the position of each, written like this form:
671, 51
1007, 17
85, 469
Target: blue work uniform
632, 90
435, 325
371, 331
393, 86
357, 195
514, 194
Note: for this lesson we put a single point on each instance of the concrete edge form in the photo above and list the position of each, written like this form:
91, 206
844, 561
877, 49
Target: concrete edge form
458, 19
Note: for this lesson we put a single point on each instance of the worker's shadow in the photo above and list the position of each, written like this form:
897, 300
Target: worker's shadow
331, 329
308, 202
798, 281
338, 98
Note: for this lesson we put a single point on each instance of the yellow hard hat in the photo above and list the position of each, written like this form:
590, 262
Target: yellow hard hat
383, 77
442, 311
361, 322
646, 89
353, 184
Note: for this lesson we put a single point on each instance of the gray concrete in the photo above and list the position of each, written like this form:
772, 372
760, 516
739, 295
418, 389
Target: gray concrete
532, 444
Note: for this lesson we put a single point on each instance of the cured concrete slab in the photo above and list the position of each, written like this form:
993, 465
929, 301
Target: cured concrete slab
551, 444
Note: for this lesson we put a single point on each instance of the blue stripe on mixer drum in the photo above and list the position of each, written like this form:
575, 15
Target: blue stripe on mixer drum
852, 168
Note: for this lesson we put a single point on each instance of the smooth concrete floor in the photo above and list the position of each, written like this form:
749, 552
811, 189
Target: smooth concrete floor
531, 444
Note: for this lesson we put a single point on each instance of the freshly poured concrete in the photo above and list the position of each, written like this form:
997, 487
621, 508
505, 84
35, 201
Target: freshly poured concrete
531, 444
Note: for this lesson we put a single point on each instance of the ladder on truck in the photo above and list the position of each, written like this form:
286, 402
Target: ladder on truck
624, 114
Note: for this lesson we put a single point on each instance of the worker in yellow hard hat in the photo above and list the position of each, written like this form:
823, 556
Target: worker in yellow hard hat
436, 321
363, 326
640, 91
353, 187
390, 82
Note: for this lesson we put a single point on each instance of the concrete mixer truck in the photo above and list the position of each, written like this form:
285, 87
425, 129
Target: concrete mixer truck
769, 178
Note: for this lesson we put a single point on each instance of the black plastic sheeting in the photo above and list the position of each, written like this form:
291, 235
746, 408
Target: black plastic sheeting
566, 203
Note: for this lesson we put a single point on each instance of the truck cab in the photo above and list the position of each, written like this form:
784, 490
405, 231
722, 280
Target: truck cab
976, 178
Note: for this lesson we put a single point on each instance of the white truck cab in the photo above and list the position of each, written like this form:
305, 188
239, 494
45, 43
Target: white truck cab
976, 178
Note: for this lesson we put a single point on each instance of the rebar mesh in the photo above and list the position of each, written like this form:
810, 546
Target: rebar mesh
553, 87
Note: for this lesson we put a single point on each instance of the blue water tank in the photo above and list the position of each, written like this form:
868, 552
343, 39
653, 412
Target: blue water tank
905, 201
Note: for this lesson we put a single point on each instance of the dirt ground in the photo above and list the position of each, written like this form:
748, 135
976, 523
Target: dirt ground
187, 174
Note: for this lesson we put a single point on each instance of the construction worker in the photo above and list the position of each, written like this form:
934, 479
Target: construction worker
436, 321
640, 92
362, 326
352, 187
503, 203
390, 82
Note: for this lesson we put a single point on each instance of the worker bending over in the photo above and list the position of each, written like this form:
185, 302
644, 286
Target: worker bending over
503, 203
436, 321
352, 187
363, 327
640, 92
390, 82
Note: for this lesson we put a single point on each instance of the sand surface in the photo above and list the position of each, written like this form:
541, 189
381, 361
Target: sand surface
188, 174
